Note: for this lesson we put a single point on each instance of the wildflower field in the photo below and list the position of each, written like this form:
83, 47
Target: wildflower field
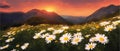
94, 36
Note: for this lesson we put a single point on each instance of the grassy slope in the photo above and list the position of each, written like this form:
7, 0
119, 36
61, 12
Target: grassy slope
25, 34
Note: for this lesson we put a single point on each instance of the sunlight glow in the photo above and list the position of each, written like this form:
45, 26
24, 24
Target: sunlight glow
49, 9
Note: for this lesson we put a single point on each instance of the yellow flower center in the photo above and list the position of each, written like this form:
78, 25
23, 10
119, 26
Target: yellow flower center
76, 40
91, 46
50, 39
101, 39
97, 26
110, 29
66, 38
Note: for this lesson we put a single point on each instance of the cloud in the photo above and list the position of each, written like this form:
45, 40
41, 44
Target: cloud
4, 4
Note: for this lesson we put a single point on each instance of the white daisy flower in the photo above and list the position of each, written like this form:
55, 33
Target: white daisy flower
104, 23
50, 29
77, 34
92, 39
14, 50
58, 31
9, 33
90, 46
17, 45
77, 29
65, 27
116, 22
102, 38
87, 36
65, 38
42, 31
24, 46
45, 35
50, 38
4, 47
109, 28
9, 40
37, 35
76, 40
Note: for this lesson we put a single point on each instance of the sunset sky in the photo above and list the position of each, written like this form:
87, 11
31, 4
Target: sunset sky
62, 7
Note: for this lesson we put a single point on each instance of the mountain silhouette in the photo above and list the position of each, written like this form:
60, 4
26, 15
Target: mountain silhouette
104, 12
12, 18
46, 17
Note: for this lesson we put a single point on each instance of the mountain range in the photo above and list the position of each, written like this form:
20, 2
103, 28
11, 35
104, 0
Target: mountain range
35, 16
32, 17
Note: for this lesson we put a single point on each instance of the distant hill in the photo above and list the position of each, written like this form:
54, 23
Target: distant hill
104, 12
13, 18
74, 19
48, 17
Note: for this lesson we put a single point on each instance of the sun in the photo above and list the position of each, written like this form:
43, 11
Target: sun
49, 9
